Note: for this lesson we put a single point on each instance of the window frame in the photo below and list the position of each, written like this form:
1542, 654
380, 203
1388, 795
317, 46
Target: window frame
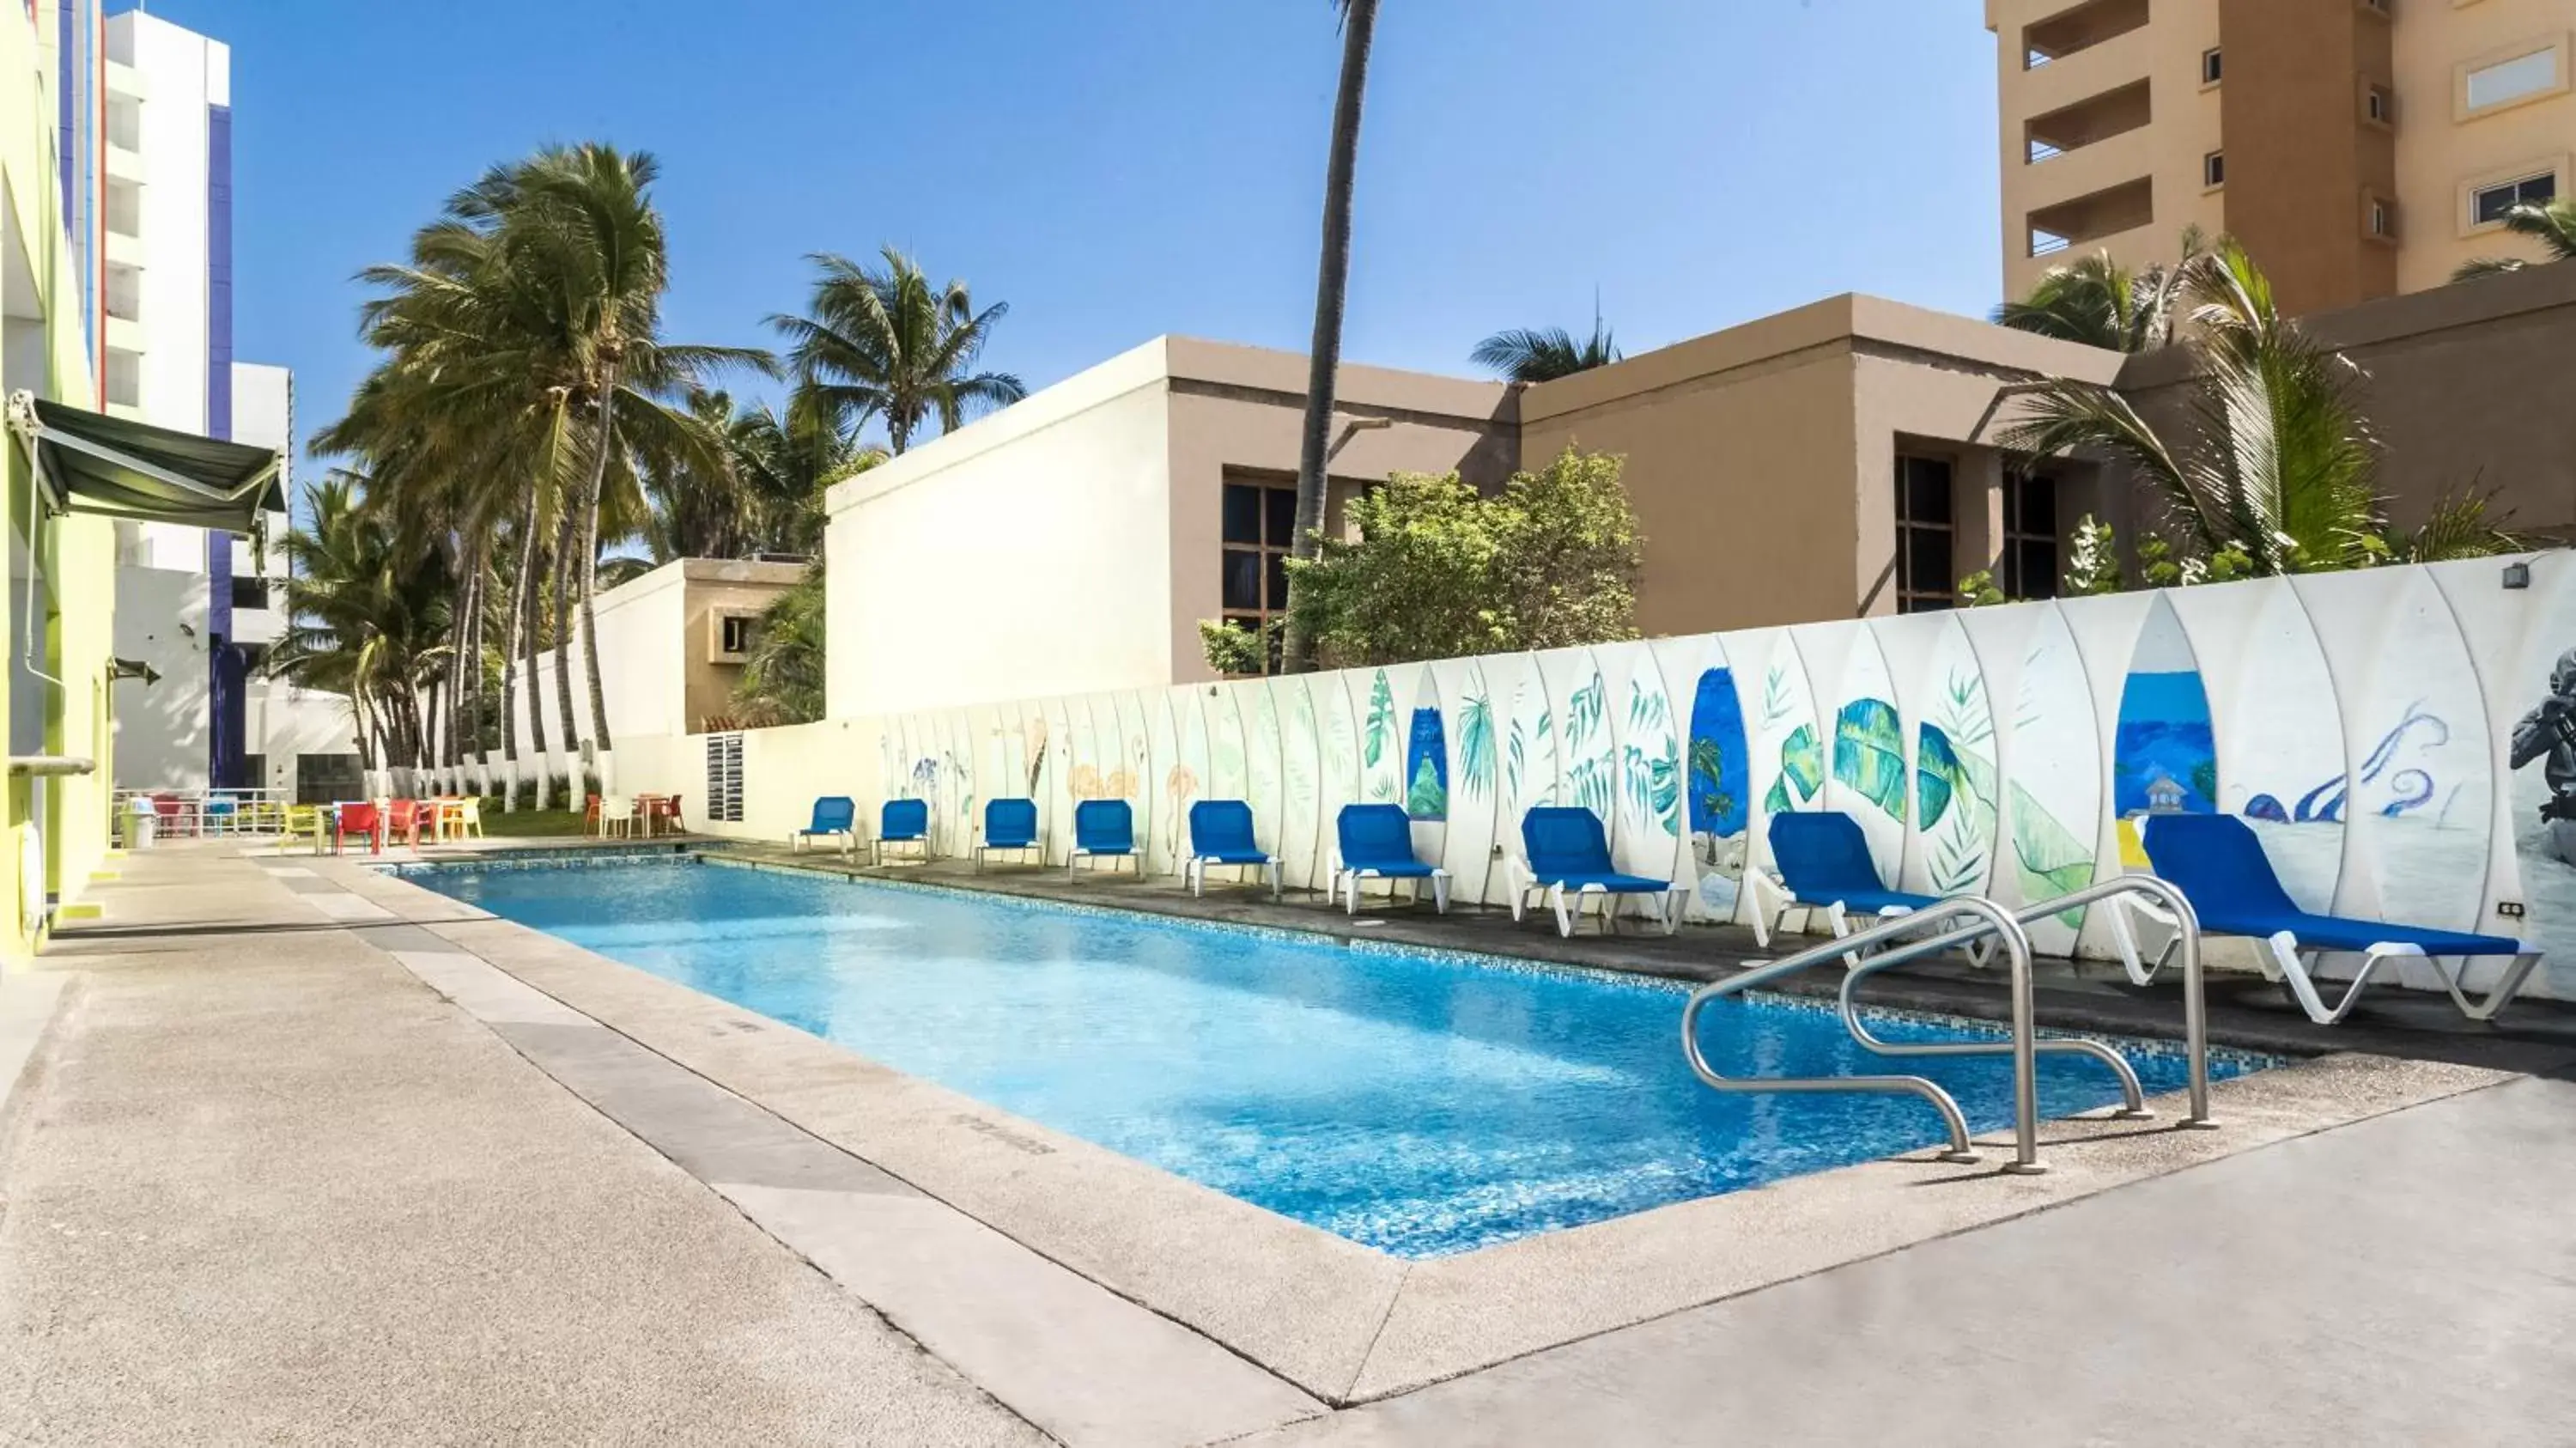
2213, 67
2016, 533
2463, 75
2554, 171
1910, 595
2213, 171
1273, 554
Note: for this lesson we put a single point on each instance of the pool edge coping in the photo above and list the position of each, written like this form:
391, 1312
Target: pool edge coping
1440, 1317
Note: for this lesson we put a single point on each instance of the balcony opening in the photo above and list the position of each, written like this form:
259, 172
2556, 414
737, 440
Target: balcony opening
2097, 118
2124, 207
125, 291
124, 378
2080, 28
125, 123
124, 208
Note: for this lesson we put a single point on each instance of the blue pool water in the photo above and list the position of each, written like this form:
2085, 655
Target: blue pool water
1421, 1105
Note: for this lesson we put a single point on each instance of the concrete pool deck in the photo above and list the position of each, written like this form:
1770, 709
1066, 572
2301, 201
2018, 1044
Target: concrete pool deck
1042, 1286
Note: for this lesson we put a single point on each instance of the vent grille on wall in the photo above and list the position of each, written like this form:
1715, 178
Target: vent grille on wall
724, 778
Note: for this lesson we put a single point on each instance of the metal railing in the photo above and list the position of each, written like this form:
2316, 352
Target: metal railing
1989, 920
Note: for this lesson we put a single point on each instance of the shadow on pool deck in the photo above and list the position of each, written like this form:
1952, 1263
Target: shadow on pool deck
2534, 1036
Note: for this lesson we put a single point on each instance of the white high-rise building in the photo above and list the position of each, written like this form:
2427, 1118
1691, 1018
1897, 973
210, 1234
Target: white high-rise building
199, 608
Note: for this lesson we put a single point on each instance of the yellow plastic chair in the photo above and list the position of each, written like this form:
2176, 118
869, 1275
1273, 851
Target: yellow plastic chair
465, 817
303, 821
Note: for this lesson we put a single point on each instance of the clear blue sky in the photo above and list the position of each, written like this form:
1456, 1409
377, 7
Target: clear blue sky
1118, 170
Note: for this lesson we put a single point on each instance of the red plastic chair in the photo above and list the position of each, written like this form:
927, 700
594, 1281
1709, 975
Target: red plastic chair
590, 816
360, 819
664, 808
403, 821
175, 819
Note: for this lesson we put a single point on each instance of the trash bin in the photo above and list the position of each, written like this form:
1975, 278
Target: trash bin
140, 821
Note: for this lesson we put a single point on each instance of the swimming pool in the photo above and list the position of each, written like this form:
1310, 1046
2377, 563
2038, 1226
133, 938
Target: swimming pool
1418, 1103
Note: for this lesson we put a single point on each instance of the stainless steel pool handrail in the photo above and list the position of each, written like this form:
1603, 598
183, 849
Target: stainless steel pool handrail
2195, 1000
2133, 1101
1992, 921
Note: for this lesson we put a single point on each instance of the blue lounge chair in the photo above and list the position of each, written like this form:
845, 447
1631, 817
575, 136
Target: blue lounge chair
1010, 827
1221, 834
834, 815
1568, 856
1376, 843
903, 822
1103, 829
2220, 867
1824, 865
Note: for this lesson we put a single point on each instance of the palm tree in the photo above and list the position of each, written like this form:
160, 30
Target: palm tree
890, 345
766, 497
782, 679
2551, 223
2100, 303
2273, 464
1545, 354
366, 621
1332, 292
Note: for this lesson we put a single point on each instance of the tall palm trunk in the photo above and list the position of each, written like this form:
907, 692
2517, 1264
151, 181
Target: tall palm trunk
1332, 288
589, 566
519, 665
567, 569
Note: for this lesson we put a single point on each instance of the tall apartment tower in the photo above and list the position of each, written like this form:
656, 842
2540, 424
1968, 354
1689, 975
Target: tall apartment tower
2359, 148
194, 605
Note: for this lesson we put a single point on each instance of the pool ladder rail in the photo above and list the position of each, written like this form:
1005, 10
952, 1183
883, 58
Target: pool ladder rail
1993, 926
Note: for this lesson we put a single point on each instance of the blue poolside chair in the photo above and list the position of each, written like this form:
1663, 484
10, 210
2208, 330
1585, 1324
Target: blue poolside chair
1824, 865
834, 815
1010, 827
2220, 867
1103, 829
1568, 855
903, 822
1221, 834
1376, 843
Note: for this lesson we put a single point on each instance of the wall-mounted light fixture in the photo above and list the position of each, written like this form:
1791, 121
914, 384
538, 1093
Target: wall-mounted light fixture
2517, 575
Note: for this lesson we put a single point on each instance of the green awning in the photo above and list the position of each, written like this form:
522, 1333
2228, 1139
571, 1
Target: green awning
88, 462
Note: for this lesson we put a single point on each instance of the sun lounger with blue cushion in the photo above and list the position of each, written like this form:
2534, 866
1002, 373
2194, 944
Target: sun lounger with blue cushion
2220, 867
1567, 860
1103, 829
1824, 865
1376, 843
1221, 835
1010, 828
903, 822
835, 816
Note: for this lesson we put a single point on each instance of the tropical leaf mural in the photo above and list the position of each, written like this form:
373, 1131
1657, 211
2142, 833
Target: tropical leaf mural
1476, 745
1802, 772
1651, 773
1869, 754
1377, 736
1426, 795
2051, 860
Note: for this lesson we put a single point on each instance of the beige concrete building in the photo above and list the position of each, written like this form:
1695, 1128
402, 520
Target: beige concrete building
2360, 148
671, 647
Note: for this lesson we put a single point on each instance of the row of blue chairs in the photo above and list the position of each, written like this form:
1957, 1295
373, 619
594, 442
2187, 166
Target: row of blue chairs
1823, 863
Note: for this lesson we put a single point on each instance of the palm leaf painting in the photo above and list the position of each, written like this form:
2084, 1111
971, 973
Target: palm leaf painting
1869, 755
1379, 735
1955, 790
1802, 772
1588, 784
1585, 713
1476, 744
1653, 784
1427, 799
2051, 860
1707, 781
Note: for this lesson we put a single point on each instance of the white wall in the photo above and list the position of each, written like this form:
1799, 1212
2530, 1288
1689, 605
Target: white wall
642, 666
161, 737
956, 568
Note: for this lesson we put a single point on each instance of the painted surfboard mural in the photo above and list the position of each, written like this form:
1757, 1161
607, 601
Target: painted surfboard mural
1339, 716
1474, 732
2538, 724
1381, 741
1188, 780
1268, 791
1789, 745
1718, 785
1163, 755
2164, 749
1227, 777
1869, 779
1426, 765
2416, 731
1136, 752
2281, 758
992, 729
1055, 773
1957, 787
1529, 761
1300, 770
2053, 800
1587, 757
1087, 783
1647, 839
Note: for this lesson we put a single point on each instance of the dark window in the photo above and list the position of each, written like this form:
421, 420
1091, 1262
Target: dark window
2379, 106
2030, 537
325, 778
253, 655
2213, 169
2491, 204
249, 592
1243, 512
254, 771
2212, 71
1260, 534
1924, 577
738, 631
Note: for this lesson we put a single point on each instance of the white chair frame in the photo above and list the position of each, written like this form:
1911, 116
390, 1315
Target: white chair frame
1526, 890
2283, 962
1345, 881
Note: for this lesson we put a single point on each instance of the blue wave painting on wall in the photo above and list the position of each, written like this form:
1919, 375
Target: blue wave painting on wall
2415, 787
2164, 757
1719, 762
1426, 768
